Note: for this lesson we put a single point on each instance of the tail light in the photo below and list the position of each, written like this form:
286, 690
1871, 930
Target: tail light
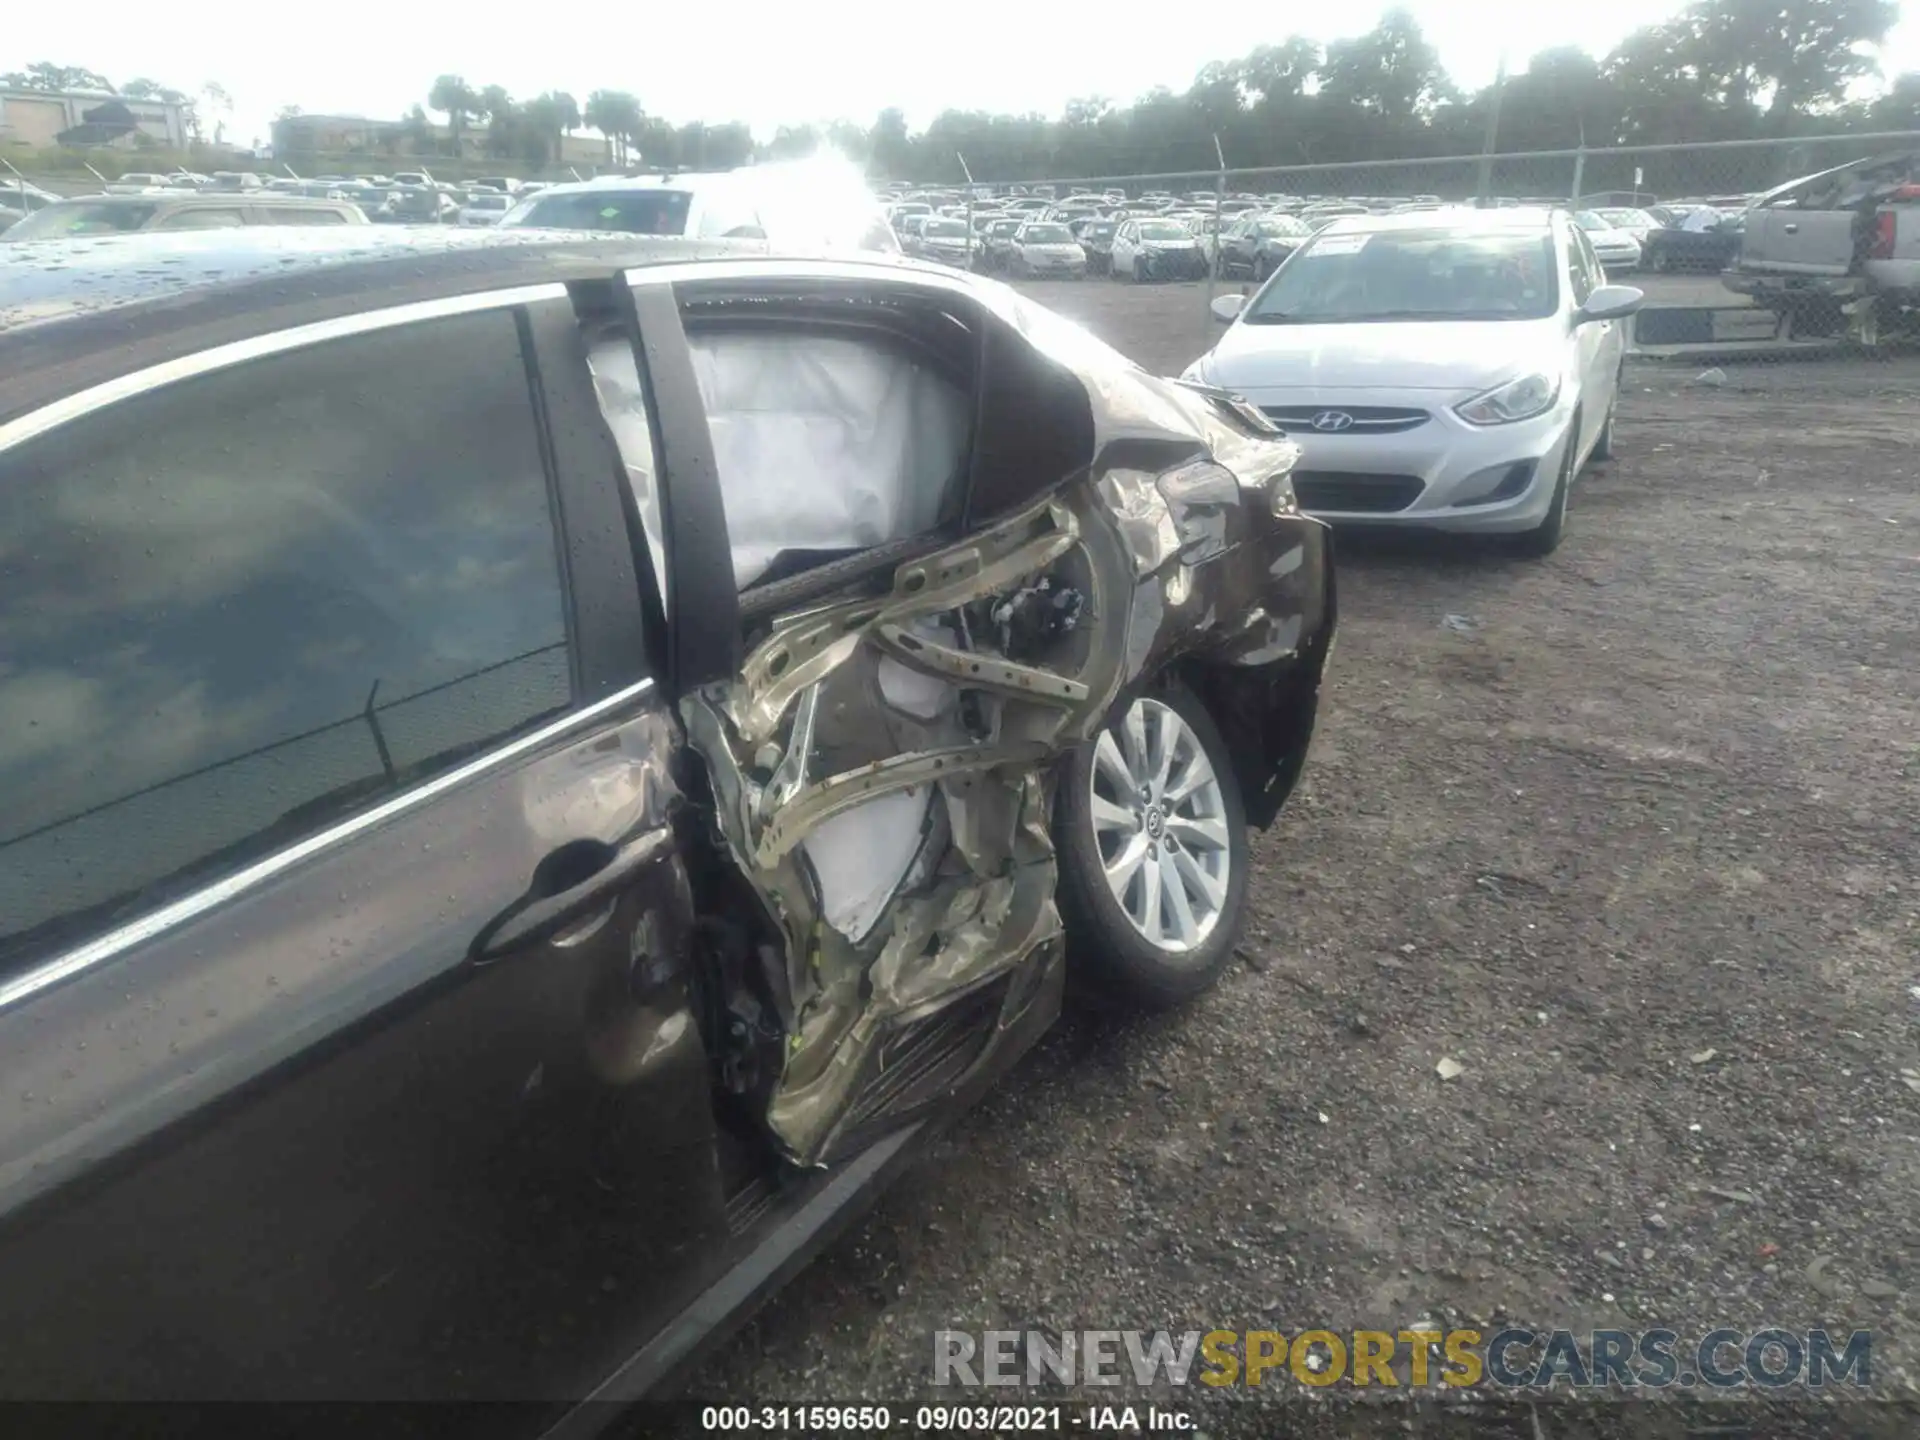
1882, 247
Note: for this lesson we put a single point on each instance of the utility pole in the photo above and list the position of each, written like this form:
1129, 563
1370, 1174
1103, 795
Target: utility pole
1213, 262
1493, 132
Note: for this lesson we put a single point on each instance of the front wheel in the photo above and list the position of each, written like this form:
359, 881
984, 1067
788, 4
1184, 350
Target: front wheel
1152, 840
1544, 538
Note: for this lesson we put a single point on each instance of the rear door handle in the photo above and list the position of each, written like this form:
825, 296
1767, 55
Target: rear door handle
573, 879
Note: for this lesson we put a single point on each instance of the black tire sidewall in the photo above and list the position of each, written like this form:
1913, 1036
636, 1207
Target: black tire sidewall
1110, 964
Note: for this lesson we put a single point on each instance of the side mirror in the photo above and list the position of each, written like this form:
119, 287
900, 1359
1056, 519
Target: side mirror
1226, 308
1611, 302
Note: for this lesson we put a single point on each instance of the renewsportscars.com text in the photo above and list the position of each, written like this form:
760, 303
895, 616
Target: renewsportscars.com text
1770, 1358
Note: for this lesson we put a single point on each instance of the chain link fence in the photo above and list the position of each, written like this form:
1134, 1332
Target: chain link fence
1831, 265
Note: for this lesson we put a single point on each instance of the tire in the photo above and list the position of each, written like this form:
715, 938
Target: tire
1130, 952
1544, 538
1603, 447
1138, 274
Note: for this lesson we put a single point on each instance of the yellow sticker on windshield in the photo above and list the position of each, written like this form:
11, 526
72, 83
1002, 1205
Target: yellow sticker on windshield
609, 212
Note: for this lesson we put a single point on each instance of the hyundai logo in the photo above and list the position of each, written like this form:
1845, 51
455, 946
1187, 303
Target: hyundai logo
1332, 421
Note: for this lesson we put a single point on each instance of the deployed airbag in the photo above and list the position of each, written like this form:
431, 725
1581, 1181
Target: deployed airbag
826, 442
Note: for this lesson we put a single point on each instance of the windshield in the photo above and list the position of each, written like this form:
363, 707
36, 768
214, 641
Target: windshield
1003, 227
1412, 275
1163, 230
1630, 218
630, 212
1100, 230
80, 218
1588, 220
1046, 235
944, 227
1284, 225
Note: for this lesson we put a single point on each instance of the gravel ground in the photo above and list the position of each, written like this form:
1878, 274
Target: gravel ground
1628, 834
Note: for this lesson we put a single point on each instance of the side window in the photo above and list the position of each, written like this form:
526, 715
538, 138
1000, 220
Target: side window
301, 215
202, 217
243, 606
1579, 279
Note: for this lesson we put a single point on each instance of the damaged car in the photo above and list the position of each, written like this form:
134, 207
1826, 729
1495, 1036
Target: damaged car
1836, 251
541, 768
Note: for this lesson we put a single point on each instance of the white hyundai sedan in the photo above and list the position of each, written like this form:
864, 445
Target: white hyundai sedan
1449, 369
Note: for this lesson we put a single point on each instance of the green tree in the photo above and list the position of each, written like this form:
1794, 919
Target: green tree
1392, 71
616, 115
42, 75
453, 97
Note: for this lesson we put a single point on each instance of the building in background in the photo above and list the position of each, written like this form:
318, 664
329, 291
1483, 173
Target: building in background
40, 119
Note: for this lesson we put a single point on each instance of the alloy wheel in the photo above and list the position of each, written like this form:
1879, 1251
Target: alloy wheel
1160, 823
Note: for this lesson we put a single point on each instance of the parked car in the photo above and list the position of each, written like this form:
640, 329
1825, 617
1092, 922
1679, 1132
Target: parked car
483, 208
1635, 222
994, 246
1615, 249
177, 210
1452, 371
417, 205
1156, 250
1845, 241
1095, 235
942, 238
1700, 239
487, 976
233, 182
19, 199
1041, 248
1256, 244
505, 184
794, 207
135, 182
419, 179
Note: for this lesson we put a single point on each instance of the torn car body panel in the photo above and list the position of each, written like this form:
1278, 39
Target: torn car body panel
882, 766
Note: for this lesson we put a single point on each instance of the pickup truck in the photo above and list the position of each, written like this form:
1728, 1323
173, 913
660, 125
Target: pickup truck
1837, 246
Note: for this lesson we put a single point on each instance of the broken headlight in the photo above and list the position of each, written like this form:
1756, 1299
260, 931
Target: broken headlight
1199, 496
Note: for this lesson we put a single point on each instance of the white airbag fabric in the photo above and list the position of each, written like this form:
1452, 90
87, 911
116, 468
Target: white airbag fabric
825, 442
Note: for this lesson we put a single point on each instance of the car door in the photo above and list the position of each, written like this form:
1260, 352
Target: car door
1595, 343
345, 999
880, 447
1123, 248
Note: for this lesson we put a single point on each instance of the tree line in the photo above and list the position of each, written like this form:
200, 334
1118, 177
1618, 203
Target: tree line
1716, 70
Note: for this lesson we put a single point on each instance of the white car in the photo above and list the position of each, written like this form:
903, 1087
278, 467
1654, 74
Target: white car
1453, 371
485, 208
1637, 223
800, 206
1152, 249
1616, 249
1045, 248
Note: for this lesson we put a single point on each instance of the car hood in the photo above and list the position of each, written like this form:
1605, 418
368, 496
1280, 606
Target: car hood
1468, 356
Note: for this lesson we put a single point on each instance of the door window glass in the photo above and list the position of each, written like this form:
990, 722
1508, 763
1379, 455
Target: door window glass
240, 607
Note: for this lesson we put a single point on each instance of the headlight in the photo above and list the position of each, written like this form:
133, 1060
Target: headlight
1520, 399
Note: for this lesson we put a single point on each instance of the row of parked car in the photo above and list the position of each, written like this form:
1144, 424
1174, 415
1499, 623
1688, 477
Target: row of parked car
185, 199
1167, 236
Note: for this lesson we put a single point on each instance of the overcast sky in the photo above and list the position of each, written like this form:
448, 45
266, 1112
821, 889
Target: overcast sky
768, 62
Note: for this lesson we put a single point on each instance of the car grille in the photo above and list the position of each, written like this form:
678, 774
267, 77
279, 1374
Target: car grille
1355, 492
1367, 419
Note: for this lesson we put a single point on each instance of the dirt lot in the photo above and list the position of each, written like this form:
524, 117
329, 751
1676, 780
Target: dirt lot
1630, 834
